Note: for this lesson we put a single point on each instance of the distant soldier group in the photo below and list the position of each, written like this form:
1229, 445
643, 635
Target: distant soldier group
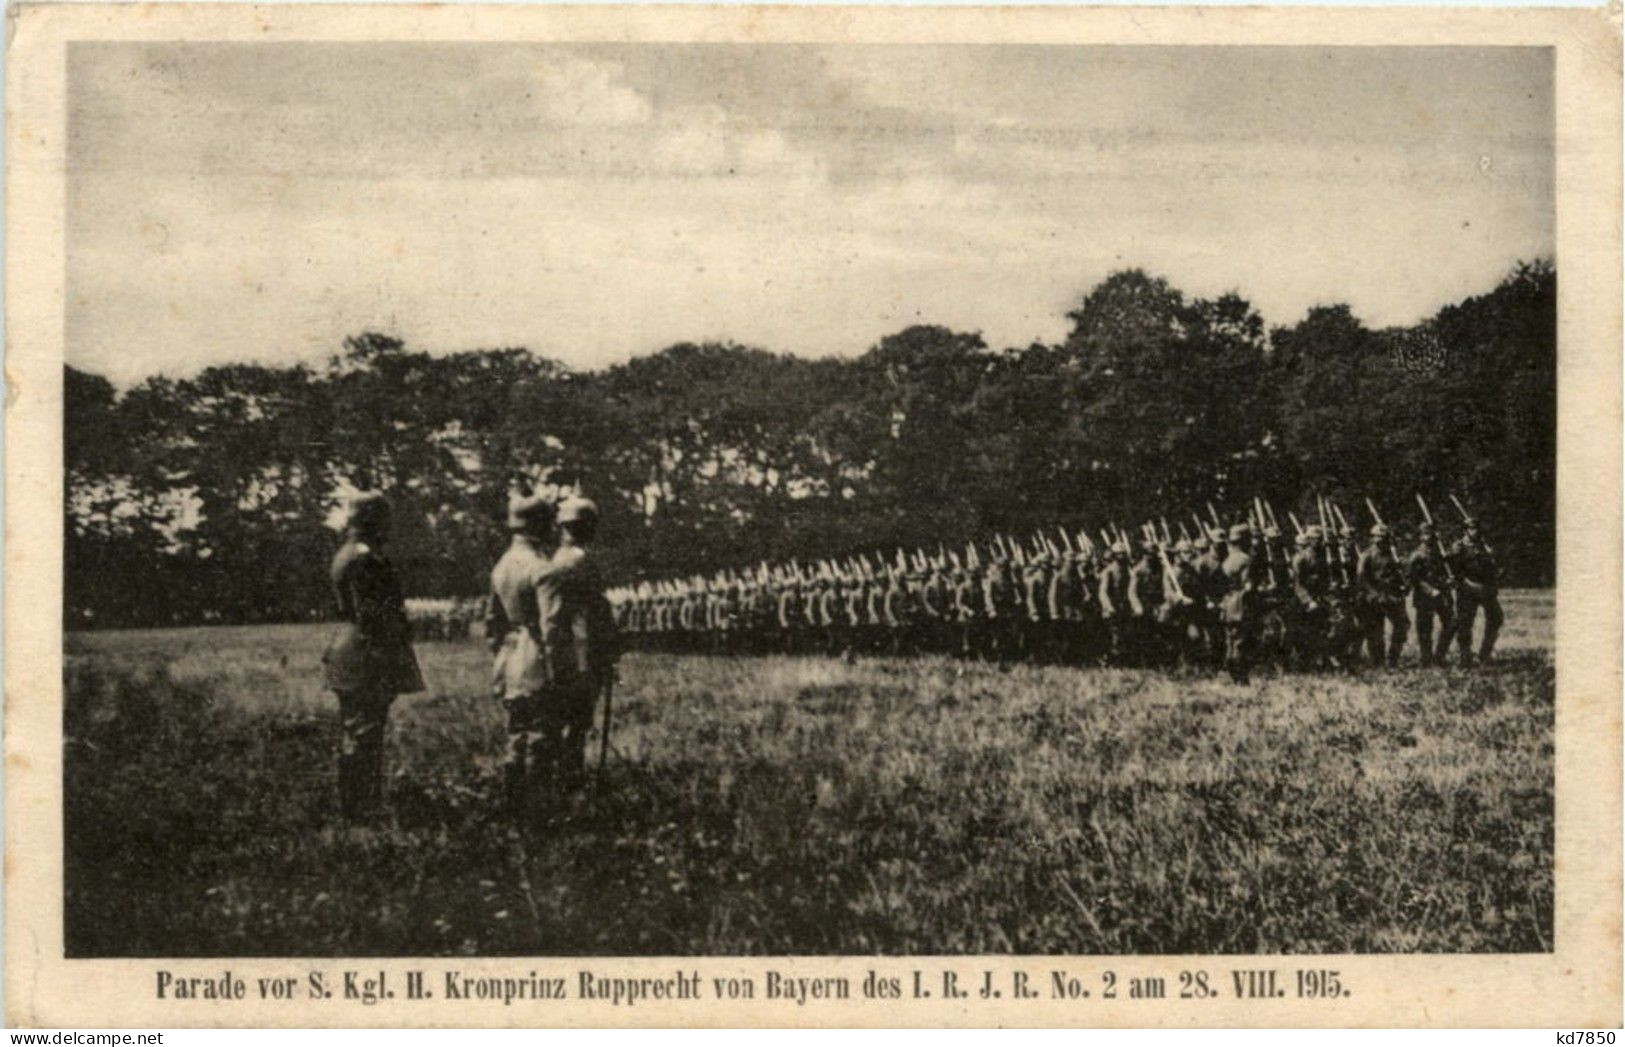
442, 619
1232, 597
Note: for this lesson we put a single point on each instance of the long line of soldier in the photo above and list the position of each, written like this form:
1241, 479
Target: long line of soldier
1233, 596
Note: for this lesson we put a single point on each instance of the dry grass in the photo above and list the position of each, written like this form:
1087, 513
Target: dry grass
788, 805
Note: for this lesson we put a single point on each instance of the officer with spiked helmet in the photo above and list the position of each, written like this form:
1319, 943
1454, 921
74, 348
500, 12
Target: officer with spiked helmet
578, 638
520, 674
369, 660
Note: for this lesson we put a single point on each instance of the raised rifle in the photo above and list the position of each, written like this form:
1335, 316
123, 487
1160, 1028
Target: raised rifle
1369, 504
1438, 546
1467, 517
1172, 575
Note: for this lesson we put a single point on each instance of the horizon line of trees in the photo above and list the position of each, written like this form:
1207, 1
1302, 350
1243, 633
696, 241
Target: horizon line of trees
212, 498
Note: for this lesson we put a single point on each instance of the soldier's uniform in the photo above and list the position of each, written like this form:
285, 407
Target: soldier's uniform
1239, 580
1477, 586
1065, 614
519, 671
788, 601
932, 634
1035, 608
1210, 570
1114, 606
1381, 581
1145, 594
962, 605
369, 660
1177, 615
577, 638
1002, 610
1429, 577
1311, 589
895, 611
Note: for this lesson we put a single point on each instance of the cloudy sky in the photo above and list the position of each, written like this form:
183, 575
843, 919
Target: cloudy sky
259, 202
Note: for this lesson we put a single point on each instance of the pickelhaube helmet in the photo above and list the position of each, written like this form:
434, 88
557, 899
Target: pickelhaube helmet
527, 510
576, 509
366, 509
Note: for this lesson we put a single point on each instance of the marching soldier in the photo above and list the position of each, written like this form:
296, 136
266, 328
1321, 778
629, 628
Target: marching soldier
1381, 581
1429, 577
369, 660
1477, 586
519, 675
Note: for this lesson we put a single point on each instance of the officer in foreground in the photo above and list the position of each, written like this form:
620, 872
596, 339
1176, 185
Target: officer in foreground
369, 659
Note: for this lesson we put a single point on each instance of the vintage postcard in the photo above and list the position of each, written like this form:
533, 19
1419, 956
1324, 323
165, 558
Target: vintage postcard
826, 516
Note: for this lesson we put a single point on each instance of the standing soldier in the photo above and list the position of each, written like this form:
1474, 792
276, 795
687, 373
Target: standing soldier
578, 640
1311, 585
1210, 569
1177, 615
1477, 585
962, 608
788, 601
1035, 608
1114, 605
369, 660
851, 613
1429, 577
1065, 614
1381, 580
513, 632
999, 603
933, 634
1239, 580
1145, 592
895, 611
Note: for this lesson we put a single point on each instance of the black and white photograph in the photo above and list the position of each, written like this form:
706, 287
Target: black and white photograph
563, 498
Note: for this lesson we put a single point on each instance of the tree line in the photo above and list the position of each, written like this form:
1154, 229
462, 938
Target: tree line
212, 498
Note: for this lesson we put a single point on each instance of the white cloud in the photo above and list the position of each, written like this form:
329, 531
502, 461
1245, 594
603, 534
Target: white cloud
585, 93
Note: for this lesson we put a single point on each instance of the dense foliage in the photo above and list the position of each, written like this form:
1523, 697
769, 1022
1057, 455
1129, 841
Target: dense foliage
211, 497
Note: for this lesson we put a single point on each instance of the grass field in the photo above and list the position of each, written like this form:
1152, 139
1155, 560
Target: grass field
805, 806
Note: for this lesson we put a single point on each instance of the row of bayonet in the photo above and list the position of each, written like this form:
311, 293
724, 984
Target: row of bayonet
874, 565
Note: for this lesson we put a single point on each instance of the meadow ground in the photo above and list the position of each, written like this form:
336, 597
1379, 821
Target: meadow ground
806, 806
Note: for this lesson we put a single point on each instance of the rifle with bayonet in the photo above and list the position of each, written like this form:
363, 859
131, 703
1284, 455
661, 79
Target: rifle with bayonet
1438, 544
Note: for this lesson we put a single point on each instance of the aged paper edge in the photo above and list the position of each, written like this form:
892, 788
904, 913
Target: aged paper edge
1577, 985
